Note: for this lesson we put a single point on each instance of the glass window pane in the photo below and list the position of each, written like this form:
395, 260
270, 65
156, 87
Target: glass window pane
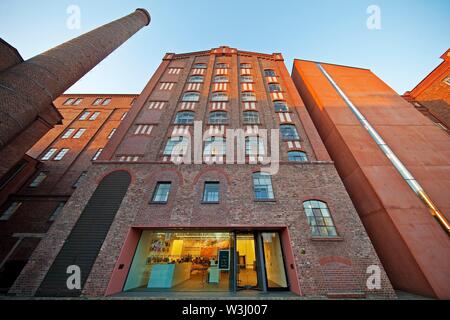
161, 192
274, 262
211, 192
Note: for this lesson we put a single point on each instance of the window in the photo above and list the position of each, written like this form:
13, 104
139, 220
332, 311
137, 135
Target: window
97, 101
57, 211
12, 173
94, 116
79, 133
176, 146
191, 96
297, 156
269, 73
221, 79
97, 154
248, 96
319, 219
447, 80
185, 117
68, 133
289, 132
219, 96
69, 101
251, 117
214, 146
273, 87
80, 179
161, 194
49, 154
222, 65
10, 210
218, 117
280, 106
246, 66
262, 186
123, 116
196, 79
200, 66
211, 192
106, 101
61, 154
254, 146
38, 180
246, 79
111, 133
77, 101
85, 115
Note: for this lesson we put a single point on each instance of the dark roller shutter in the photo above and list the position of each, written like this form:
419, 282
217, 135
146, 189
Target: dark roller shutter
82, 246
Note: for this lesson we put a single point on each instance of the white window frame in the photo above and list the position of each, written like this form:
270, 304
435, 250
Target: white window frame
12, 208
48, 155
61, 154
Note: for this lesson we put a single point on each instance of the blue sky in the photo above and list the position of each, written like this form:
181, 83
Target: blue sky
413, 34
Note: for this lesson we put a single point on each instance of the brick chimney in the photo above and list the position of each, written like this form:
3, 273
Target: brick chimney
28, 88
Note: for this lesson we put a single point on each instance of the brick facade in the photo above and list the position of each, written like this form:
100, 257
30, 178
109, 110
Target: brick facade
324, 266
432, 95
39, 202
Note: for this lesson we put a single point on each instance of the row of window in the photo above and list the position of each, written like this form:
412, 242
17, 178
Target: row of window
91, 116
222, 65
288, 131
317, 212
96, 102
55, 155
216, 146
16, 205
41, 176
79, 133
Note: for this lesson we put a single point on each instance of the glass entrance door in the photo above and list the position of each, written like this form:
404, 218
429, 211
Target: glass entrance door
246, 262
274, 262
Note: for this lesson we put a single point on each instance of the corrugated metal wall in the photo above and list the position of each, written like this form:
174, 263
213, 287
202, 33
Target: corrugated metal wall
84, 242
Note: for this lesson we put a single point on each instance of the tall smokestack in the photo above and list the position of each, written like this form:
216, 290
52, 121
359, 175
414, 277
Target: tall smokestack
28, 89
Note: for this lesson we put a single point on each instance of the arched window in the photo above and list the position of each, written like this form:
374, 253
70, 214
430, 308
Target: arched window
191, 96
218, 117
176, 146
200, 65
196, 79
248, 96
262, 186
221, 79
254, 146
319, 219
297, 156
222, 65
273, 87
251, 117
219, 96
289, 132
280, 106
269, 73
246, 66
246, 79
185, 117
215, 146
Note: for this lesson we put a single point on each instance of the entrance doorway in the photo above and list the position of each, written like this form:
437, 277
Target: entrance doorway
246, 264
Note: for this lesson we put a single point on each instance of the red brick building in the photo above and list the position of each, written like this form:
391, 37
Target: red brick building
395, 165
432, 95
142, 222
61, 159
